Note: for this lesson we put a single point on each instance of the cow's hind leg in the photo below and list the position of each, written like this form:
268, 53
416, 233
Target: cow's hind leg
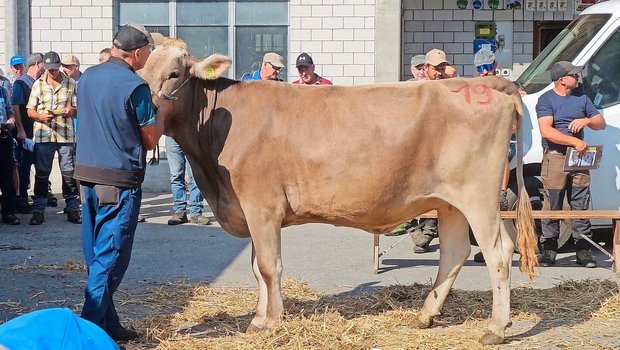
497, 250
267, 268
454, 250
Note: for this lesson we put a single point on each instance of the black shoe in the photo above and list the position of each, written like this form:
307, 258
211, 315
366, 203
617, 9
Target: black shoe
585, 258
37, 219
122, 334
547, 257
23, 207
51, 200
10, 219
141, 218
177, 219
73, 216
478, 257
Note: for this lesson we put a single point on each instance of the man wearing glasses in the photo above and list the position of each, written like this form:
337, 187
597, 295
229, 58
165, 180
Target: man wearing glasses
271, 66
562, 118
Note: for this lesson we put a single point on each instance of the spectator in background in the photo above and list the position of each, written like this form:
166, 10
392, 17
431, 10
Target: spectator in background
52, 106
436, 65
5, 82
21, 93
307, 76
417, 68
104, 55
7, 160
71, 67
17, 67
271, 66
179, 164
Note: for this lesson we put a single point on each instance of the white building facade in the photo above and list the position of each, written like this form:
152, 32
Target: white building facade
352, 42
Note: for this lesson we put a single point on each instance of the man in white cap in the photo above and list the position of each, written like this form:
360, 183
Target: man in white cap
417, 68
562, 119
484, 61
271, 66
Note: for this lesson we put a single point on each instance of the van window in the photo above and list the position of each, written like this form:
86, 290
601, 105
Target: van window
601, 76
565, 47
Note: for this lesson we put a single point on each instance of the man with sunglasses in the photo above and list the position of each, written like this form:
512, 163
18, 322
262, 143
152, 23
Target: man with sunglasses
271, 66
52, 107
484, 60
563, 115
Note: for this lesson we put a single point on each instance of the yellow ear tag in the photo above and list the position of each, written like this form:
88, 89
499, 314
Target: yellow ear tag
210, 72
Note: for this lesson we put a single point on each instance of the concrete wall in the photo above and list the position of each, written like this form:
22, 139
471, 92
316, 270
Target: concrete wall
78, 27
338, 34
440, 24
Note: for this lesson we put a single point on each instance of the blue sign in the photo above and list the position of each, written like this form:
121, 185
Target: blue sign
476, 4
490, 43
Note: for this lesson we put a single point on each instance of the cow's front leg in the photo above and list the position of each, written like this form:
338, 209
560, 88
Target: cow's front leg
267, 268
454, 250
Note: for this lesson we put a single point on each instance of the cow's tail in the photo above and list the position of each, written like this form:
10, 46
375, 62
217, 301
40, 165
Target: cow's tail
526, 236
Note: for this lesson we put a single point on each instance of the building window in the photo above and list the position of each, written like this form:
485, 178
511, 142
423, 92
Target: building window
242, 29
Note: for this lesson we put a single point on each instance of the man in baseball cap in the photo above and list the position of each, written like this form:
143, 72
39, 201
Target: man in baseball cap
305, 68
562, 118
271, 66
17, 66
564, 69
417, 67
71, 67
132, 36
436, 65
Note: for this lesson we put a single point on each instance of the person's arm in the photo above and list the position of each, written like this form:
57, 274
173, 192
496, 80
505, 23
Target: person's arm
554, 135
151, 122
17, 99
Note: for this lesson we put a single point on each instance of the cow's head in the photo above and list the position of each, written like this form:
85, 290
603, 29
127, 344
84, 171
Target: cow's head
170, 66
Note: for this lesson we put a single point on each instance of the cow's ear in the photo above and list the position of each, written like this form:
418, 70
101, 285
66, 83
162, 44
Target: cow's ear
211, 67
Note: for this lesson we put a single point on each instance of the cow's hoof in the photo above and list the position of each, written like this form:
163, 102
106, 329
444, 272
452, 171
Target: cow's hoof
417, 323
491, 339
252, 328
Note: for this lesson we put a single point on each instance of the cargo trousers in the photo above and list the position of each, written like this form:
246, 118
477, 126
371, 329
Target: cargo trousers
557, 184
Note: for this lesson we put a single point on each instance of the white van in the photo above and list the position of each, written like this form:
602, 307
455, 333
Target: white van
593, 41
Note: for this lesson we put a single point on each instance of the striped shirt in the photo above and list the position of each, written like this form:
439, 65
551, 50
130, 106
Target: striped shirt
45, 97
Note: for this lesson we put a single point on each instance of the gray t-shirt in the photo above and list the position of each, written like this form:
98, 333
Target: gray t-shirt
564, 110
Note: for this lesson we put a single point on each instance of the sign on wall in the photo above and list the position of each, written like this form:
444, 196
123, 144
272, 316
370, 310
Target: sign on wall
581, 5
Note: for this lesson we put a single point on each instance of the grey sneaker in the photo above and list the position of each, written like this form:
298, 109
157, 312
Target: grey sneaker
199, 220
585, 258
421, 241
177, 219
547, 257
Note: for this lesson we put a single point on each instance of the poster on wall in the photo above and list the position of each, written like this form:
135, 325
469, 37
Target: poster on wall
581, 5
530, 5
541, 5
562, 5
552, 5
513, 4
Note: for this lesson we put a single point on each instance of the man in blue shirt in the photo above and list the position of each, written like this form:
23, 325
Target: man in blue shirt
562, 117
118, 124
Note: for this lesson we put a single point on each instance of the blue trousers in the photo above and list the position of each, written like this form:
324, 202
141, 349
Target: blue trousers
108, 230
178, 165
43, 159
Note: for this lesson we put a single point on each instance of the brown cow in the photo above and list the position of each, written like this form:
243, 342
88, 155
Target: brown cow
267, 155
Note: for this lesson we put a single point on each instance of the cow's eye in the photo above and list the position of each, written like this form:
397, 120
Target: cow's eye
174, 75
